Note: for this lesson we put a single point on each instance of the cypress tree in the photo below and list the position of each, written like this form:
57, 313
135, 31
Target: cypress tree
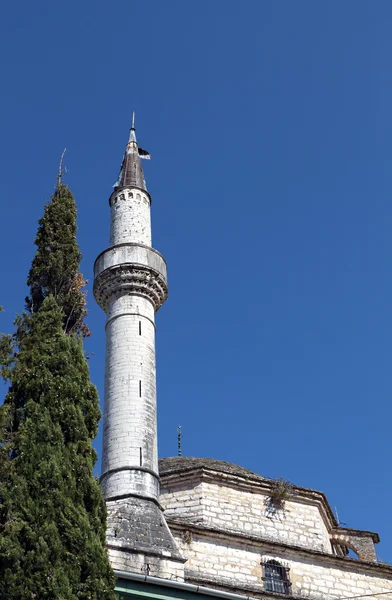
55, 268
52, 513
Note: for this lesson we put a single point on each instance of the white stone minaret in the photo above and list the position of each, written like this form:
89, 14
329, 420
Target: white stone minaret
130, 284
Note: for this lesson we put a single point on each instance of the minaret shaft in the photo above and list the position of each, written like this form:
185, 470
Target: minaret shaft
130, 455
130, 217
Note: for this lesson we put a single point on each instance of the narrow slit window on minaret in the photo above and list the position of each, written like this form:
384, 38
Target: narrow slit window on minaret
141, 457
140, 328
140, 389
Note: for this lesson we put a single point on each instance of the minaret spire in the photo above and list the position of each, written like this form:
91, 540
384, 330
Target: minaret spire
130, 284
131, 172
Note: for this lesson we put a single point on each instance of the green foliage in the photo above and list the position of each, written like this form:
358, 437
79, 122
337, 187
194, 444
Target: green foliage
52, 513
6, 353
55, 268
281, 491
7, 350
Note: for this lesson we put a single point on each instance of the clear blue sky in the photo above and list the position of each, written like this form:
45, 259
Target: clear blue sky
269, 123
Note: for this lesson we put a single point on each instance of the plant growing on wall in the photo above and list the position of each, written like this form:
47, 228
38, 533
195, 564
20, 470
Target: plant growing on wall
281, 491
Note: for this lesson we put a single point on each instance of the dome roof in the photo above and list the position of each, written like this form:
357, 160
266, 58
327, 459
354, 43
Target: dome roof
180, 464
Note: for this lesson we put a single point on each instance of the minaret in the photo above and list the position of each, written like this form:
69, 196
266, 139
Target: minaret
130, 285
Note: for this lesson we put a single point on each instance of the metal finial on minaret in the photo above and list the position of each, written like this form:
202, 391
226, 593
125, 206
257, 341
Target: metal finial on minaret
179, 449
132, 148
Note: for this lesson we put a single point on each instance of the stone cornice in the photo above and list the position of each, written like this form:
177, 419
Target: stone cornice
134, 279
318, 557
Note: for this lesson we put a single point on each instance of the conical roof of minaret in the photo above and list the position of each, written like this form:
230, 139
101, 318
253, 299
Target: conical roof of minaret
131, 172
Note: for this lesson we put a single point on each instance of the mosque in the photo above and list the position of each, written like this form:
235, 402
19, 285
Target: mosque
183, 527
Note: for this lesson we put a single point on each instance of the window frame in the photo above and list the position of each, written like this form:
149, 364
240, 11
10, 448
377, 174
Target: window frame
276, 578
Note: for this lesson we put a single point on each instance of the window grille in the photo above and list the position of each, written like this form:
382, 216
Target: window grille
276, 577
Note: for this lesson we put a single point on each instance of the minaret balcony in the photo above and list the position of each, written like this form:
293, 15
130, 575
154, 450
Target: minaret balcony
130, 269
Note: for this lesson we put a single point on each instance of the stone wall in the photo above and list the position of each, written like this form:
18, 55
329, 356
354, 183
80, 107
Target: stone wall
239, 565
223, 526
184, 501
236, 510
312, 579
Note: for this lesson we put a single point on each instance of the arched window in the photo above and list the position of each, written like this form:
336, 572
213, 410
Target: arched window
276, 577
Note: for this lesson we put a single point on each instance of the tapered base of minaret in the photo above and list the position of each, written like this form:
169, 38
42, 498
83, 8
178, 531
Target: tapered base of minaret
139, 540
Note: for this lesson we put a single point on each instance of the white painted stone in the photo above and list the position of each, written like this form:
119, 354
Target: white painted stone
130, 217
129, 437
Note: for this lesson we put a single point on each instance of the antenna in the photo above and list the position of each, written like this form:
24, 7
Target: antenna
133, 120
179, 452
338, 520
